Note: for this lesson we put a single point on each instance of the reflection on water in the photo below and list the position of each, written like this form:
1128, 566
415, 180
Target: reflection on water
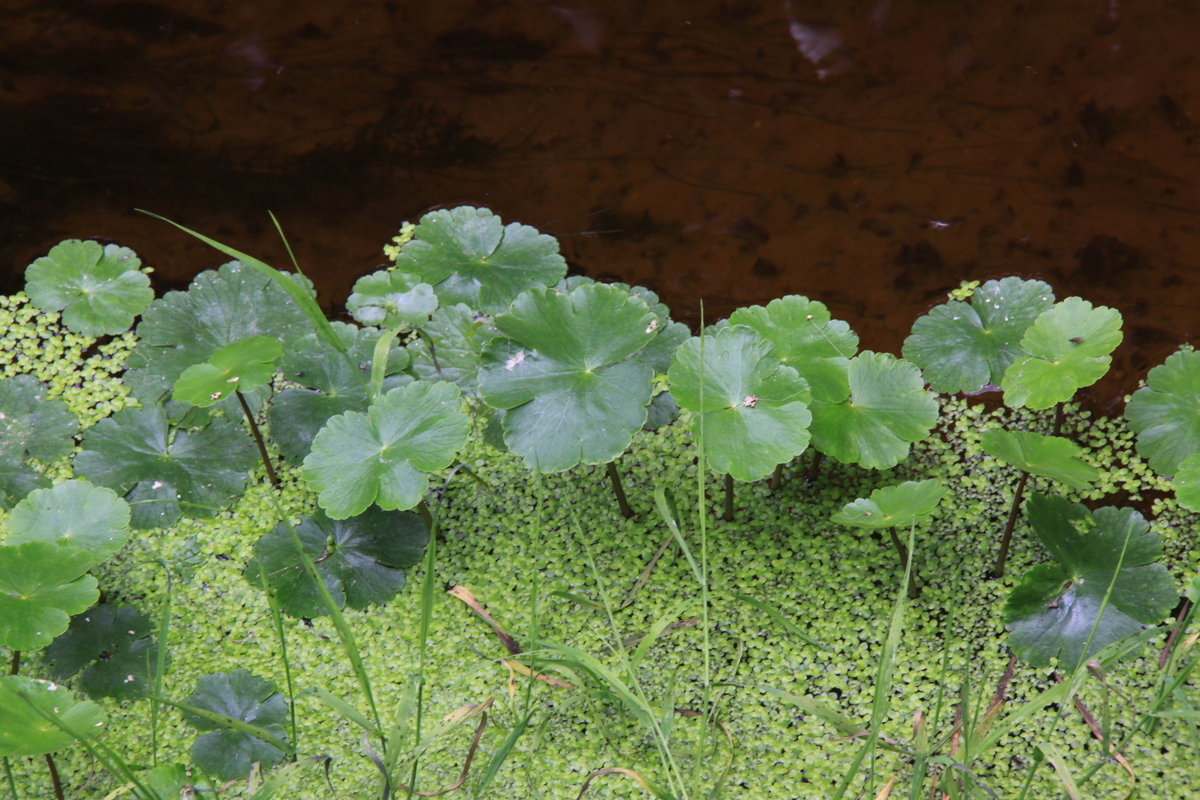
868, 154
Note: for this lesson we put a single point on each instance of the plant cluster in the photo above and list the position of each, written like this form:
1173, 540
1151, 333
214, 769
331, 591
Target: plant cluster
476, 338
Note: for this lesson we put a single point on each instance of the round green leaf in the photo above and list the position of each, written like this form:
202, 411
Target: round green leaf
227, 753
390, 299
887, 410
206, 467
332, 387
220, 308
806, 339
239, 367
1165, 413
893, 506
99, 289
31, 426
382, 456
1049, 456
1187, 483
24, 732
114, 643
1052, 611
361, 560
458, 336
470, 257
753, 407
77, 513
565, 375
962, 348
670, 335
1068, 347
41, 585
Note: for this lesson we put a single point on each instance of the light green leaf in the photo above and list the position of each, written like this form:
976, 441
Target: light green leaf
41, 586
1187, 483
893, 506
31, 426
390, 298
361, 560
206, 467
670, 335
459, 336
806, 339
962, 348
887, 410
220, 308
470, 257
77, 513
1165, 413
99, 290
753, 408
1053, 610
382, 456
1049, 456
240, 695
24, 732
565, 375
242, 366
1068, 348
116, 646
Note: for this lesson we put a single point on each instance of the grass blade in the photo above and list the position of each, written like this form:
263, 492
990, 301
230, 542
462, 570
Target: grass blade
781, 620
1059, 762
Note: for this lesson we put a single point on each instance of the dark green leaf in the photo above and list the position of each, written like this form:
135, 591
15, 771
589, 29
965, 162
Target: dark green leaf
1049, 456
390, 298
219, 308
31, 426
333, 388
962, 348
1053, 610
458, 336
893, 506
99, 290
41, 586
360, 559
470, 257
565, 377
206, 468
1068, 349
663, 410
227, 753
239, 367
806, 339
25, 732
114, 643
752, 407
77, 513
153, 504
383, 456
1165, 413
888, 409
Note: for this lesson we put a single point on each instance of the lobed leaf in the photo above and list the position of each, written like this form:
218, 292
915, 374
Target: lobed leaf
888, 409
76, 513
242, 366
382, 456
470, 257
31, 426
753, 408
114, 647
893, 506
567, 375
1049, 456
25, 732
226, 753
458, 336
808, 340
390, 298
361, 560
1053, 610
41, 585
99, 290
1068, 347
962, 348
1165, 413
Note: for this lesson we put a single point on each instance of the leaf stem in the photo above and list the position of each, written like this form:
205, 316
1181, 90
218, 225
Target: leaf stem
728, 515
54, 779
1058, 419
776, 477
15, 667
998, 570
258, 439
913, 592
12, 783
615, 477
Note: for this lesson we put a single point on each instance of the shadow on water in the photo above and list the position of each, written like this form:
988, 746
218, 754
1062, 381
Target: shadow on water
867, 154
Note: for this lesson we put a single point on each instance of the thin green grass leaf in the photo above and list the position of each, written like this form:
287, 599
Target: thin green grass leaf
656, 630
1059, 762
781, 620
345, 709
278, 777
234, 725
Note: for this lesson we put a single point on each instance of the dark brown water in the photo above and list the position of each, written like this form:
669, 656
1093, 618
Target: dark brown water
868, 154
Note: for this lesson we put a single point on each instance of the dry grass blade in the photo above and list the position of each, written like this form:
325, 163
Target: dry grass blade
464, 594
516, 666
645, 783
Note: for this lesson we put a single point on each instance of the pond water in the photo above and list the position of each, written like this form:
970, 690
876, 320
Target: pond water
867, 154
